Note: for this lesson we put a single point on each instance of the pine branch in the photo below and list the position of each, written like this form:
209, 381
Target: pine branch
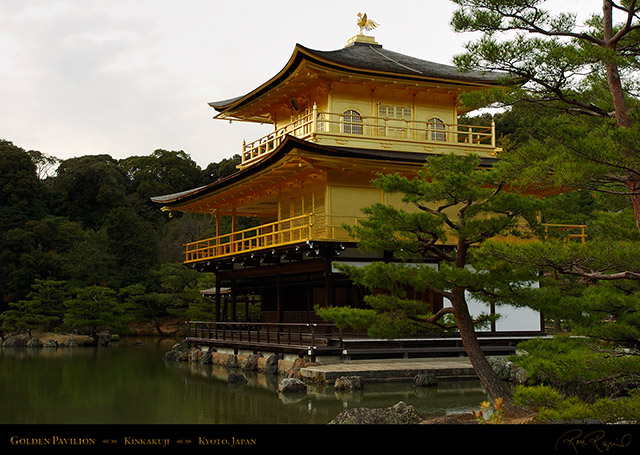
433, 319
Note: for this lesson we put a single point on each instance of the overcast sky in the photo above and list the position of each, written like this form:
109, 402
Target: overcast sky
127, 77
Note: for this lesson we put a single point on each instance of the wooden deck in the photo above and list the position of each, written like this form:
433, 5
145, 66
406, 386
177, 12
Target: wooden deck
317, 340
291, 338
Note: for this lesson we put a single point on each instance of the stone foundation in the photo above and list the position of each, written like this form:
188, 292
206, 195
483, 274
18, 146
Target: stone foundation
288, 366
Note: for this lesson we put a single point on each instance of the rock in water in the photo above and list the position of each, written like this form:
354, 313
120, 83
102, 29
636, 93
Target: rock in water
292, 385
271, 366
251, 363
177, 353
50, 344
16, 341
424, 380
34, 343
348, 383
400, 413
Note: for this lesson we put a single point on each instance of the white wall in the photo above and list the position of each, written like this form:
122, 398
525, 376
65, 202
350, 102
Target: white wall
512, 318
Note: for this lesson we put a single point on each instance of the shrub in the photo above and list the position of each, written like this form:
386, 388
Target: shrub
580, 366
621, 409
537, 396
569, 410
552, 407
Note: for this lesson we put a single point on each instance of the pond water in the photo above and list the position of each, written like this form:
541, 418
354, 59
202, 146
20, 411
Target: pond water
129, 383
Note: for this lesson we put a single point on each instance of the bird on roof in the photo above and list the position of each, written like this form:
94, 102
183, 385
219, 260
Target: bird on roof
364, 23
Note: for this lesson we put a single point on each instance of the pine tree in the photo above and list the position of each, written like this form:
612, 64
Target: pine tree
582, 78
452, 206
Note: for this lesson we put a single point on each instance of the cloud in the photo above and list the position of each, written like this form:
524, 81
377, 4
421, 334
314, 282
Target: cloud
127, 77
120, 78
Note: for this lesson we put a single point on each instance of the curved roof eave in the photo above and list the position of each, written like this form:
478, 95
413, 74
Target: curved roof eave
288, 144
184, 196
354, 59
224, 105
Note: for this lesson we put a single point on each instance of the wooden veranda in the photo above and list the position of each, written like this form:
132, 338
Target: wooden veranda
319, 340
302, 339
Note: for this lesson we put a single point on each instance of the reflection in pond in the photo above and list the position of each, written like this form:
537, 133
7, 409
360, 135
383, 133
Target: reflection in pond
130, 383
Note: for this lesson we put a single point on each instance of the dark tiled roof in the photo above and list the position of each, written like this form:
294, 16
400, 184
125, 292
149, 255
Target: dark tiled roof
377, 58
175, 196
371, 59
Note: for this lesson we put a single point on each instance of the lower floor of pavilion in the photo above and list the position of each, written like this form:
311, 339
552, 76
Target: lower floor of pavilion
265, 303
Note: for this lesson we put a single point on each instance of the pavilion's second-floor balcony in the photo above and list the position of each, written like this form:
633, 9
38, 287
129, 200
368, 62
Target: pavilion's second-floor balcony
309, 227
268, 236
354, 130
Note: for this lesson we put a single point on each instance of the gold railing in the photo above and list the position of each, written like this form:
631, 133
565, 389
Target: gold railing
266, 144
283, 232
390, 129
302, 228
567, 232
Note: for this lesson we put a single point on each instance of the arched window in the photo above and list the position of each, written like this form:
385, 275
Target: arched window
351, 122
435, 130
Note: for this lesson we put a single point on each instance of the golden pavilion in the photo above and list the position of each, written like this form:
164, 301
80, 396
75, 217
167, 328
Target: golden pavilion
339, 117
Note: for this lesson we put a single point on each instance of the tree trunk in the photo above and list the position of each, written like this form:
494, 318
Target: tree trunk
623, 119
494, 386
633, 183
155, 320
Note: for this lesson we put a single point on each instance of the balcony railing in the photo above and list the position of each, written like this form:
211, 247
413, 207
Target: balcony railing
302, 228
278, 233
305, 334
316, 123
567, 232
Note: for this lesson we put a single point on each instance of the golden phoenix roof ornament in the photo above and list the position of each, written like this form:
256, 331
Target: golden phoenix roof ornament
364, 23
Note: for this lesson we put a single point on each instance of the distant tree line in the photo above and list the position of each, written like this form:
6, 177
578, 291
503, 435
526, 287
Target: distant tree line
82, 245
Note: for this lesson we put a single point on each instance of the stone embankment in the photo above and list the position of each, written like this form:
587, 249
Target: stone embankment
273, 364
314, 372
52, 340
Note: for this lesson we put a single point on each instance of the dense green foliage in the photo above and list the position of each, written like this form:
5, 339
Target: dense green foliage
572, 125
553, 407
581, 366
573, 85
451, 209
83, 246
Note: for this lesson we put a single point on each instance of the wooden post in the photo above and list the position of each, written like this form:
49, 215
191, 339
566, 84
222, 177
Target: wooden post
309, 302
493, 133
233, 230
328, 285
218, 300
217, 247
493, 322
279, 297
225, 310
314, 119
233, 301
